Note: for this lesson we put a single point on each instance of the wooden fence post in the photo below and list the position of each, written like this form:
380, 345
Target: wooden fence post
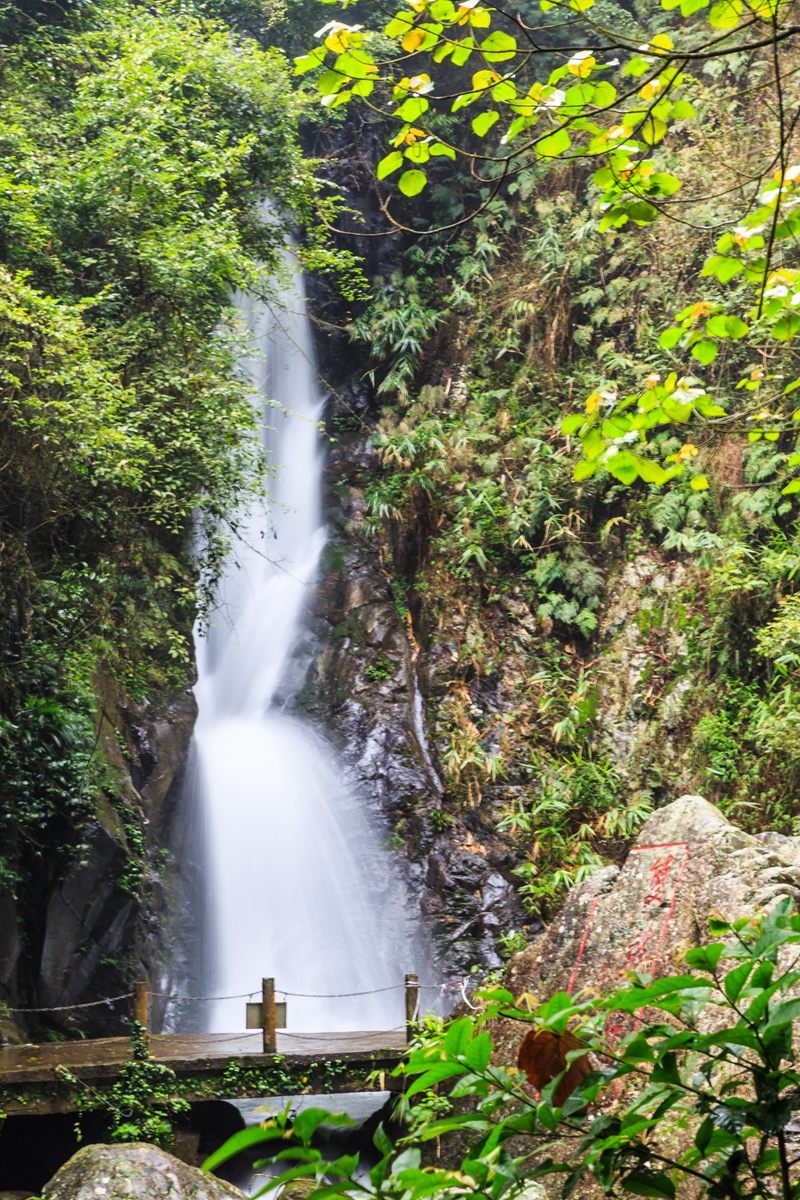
268, 1002
140, 1004
412, 1005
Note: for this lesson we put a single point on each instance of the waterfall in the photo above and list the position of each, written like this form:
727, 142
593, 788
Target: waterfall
299, 886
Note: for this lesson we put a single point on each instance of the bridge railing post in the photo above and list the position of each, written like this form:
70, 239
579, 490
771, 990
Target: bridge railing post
412, 1005
269, 1017
141, 1004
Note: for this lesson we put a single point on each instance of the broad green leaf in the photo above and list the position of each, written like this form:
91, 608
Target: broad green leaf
390, 163
412, 109
651, 472
411, 183
572, 423
682, 110
725, 14
243, 1140
791, 488
727, 269
307, 62
484, 122
670, 338
553, 145
439, 150
787, 326
705, 352
585, 468
650, 1184
699, 483
419, 152
622, 466
330, 82
399, 25
457, 1036
737, 328
463, 50
478, 1051
438, 1072
706, 958
307, 1121
499, 46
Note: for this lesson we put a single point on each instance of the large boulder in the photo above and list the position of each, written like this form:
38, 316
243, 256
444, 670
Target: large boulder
136, 1171
688, 863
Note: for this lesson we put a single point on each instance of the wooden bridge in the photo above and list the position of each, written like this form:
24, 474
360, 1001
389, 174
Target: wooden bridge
50, 1077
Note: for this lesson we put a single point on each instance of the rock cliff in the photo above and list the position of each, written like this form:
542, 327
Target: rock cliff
109, 918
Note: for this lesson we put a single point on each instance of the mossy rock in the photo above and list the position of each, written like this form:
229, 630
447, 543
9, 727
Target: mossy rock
136, 1171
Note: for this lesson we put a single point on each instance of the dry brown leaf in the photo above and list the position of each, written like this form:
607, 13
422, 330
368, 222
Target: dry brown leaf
543, 1055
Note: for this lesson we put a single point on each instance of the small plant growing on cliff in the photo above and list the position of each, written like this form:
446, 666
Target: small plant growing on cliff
685, 1082
142, 1103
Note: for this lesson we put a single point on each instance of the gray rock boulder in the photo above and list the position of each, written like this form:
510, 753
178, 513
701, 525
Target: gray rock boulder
688, 863
136, 1171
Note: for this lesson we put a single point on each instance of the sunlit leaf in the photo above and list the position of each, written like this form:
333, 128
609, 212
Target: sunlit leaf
411, 183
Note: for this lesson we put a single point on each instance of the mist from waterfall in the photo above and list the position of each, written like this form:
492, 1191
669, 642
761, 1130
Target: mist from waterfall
299, 886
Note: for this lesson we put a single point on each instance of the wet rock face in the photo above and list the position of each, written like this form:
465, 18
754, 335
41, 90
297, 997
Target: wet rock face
687, 864
89, 932
134, 1172
367, 685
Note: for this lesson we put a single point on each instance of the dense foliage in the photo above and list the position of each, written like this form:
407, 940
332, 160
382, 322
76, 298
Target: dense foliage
138, 147
479, 342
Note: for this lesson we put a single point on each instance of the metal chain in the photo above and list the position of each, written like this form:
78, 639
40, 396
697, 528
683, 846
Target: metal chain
430, 987
71, 1007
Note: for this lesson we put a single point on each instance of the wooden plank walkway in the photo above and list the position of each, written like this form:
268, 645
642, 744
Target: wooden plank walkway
208, 1066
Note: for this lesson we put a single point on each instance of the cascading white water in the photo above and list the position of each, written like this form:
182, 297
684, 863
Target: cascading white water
300, 887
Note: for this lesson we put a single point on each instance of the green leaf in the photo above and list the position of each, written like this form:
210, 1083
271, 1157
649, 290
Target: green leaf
737, 328
727, 269
411, 183
309, 1120
699, 483
478, 1051
483, 123
499, 46
670, 338
390, 163
572, 423
308, 62
243, 1140
412, 108
438, 1072
725, 14
705, 352
553, 145
682, 110
705, 958
585, 468
382, 1141
651, 1184
736, 979
787, 326
651, 472
457, 1036
622, 466
791, 488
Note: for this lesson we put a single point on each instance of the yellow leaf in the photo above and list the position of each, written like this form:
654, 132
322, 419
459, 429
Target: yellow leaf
661, 42
413, 40
581, 64
592, 402
699, 483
